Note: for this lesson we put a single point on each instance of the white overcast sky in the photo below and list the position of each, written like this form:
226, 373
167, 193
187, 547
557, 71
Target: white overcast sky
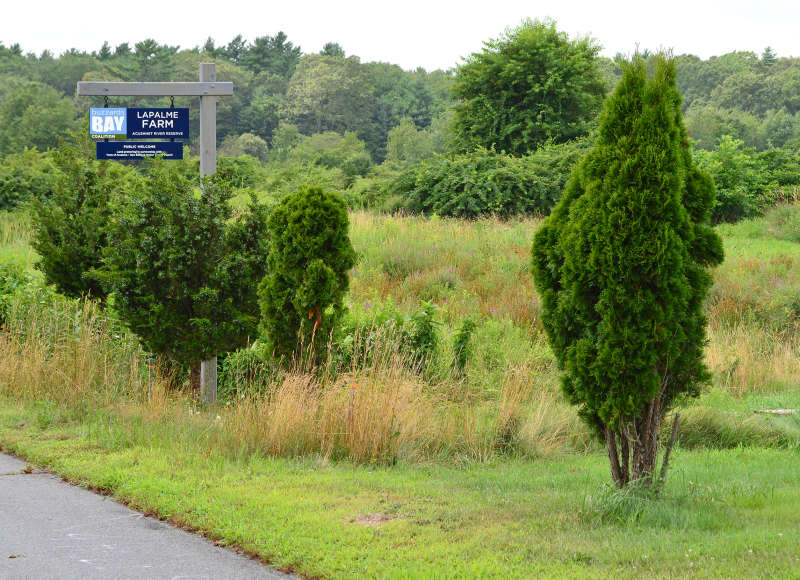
431, 34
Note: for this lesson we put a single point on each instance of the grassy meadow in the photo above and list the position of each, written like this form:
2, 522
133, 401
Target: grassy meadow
387, 469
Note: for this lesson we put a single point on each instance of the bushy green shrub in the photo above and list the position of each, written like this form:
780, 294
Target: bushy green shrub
12, 278
70, 226
422, 338
242, 172
246, 371
302, 294
483, 182
738, 177
462, 346
183, 270
25, 176
345, 152
470, 185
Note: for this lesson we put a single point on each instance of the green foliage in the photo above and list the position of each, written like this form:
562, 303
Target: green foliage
183, 268
483, 182
242, 172
25, 176
34, 115
423, 337
407, 145
461, 346
707, 124
333, 150
310, 256
12, 277
71, 224
329, 93
273, 54
246, 372
244, 144
531, 86
620, 265
783, 222
737, 178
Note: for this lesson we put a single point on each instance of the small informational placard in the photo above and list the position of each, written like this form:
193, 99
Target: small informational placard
107, 122
128, 150
153, 123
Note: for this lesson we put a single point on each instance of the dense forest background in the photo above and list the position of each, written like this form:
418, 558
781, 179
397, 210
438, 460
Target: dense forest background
364, 128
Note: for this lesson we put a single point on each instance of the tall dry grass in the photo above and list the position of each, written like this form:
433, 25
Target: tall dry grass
379, 409
67, 352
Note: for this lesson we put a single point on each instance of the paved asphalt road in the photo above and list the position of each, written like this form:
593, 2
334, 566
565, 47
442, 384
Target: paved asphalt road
50, 529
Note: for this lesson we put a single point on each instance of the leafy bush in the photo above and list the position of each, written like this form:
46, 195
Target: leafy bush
12, 278
246, 371
422, 337
240, 172
71, 225
25, 176
461, 345
473, 184
334, 151
738, 177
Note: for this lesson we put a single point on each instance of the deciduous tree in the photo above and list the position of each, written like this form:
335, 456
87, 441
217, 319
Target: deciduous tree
530, 86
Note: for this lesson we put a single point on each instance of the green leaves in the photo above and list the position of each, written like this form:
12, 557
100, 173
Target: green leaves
71, 225
531, 86
183, 268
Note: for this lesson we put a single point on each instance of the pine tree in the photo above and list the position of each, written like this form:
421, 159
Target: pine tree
621, 267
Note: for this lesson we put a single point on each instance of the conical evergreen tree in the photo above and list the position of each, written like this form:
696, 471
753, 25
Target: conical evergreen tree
620, 265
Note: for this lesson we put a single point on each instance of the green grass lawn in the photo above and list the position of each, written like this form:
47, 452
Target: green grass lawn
732, 513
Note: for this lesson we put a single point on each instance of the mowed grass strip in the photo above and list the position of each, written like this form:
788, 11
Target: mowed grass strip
733, 513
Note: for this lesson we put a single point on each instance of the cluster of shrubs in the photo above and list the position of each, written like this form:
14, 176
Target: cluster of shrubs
169, 256
415, 340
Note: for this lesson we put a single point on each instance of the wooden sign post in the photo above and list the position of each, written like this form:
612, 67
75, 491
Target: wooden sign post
208, 89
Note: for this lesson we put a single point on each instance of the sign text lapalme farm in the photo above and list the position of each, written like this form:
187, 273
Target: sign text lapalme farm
158, 123
164, 123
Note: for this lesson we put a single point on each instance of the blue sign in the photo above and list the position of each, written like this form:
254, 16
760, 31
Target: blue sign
108, 121
127, 150
153, 123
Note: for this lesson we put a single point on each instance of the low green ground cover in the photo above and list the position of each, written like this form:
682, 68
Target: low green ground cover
733, 513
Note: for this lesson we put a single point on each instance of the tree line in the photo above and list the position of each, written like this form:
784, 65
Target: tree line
496, 135
751, 97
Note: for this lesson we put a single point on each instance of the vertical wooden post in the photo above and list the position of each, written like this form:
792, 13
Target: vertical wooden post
208, 166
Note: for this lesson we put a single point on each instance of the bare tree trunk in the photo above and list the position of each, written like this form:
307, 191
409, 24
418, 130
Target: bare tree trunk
194, 378
620, 479
625, 450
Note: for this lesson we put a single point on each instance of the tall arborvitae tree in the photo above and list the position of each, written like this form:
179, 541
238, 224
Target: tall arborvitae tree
621, 267
302, 294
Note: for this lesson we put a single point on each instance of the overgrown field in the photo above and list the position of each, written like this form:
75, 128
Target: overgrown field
467, 465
